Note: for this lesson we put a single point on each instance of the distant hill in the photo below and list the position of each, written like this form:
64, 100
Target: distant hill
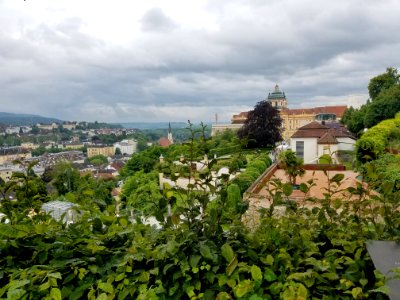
156, 125
24, 119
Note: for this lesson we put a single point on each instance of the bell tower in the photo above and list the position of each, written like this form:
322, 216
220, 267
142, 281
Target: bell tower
277, 98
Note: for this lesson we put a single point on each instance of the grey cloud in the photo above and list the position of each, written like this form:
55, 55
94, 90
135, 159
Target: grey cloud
156, 20
317, 53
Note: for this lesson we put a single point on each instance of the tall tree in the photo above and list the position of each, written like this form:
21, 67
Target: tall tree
383, 82
385, 106
262, 127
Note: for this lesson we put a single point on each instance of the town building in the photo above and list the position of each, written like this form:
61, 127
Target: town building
47, 126
13, 153
6, 173
29, 146
315, 139
100, 150
17, 129
126, 146
292, 119
73, 145
69, 125
167, 141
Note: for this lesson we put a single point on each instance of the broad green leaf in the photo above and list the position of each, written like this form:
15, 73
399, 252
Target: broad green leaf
232, 266
256, 297
106, 287
144, 277
123, 294
227, 252
243, 288
205, 251
15, 284
44, 286
120, 276
269, 260
55, 294
337, 178
303, 187
15, 294
223, 296
287, 189
190, 291
175, 218
102, 296
256, 273
194, 260
302, 291
56, 275
356, 292
269, 275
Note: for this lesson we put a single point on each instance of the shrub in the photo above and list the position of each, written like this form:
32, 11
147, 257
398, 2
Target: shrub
258, 164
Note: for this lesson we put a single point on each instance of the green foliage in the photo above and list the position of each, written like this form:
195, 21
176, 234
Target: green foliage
202, 250
145, 160
373, 143
292, 165
384, 91
383, 82
98, 160
325, 159
384, 106
65, 178
42, 150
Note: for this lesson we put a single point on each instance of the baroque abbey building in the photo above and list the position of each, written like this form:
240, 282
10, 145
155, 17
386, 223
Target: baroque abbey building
292, 119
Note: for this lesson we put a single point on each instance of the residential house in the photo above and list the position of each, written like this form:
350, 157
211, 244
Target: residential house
47, 126
13, 153
100, 150
29, 146
126, 146
315, 139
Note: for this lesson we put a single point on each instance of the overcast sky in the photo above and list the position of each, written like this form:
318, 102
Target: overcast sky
133, 61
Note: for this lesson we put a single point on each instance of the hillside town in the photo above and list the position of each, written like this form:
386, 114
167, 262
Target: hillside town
49, 144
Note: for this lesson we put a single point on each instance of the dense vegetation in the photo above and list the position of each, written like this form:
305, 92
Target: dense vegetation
200, 248
384, 103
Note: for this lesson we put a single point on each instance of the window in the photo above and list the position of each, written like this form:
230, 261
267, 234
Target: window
300, 149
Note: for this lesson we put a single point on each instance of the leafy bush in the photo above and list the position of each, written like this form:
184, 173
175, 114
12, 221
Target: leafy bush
258, 164
372, 144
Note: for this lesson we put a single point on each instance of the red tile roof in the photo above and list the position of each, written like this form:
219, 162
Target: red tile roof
164, 142
328, 138
337, 110
326, 134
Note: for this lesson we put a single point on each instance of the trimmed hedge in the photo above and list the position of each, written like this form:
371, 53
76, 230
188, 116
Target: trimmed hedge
254, 170
372, 144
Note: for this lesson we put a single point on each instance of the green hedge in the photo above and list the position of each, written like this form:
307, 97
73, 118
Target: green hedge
372, 144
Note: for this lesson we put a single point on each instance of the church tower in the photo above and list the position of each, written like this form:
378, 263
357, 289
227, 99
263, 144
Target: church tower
170, 138
277, 98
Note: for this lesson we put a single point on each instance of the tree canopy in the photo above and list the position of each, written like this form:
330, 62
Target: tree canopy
384, 103
262, 127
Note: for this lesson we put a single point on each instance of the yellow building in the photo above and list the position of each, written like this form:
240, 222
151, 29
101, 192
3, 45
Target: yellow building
29, 145
292, 119
15, 153
74, 146
6, 174
100, 150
